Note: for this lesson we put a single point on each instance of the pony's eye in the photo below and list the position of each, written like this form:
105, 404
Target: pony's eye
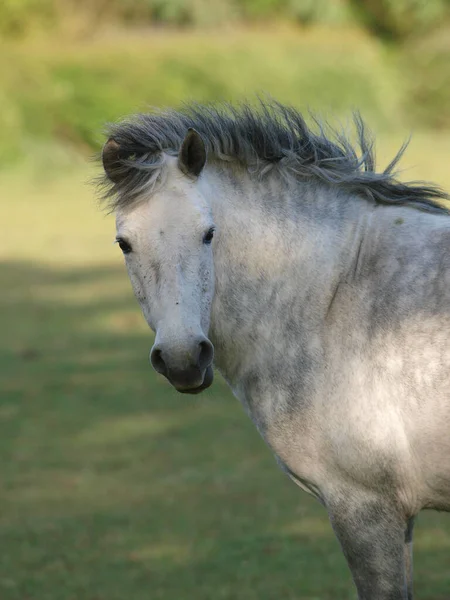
207, 238
124, 246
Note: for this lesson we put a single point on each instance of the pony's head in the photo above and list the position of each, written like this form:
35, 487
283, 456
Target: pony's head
166, 236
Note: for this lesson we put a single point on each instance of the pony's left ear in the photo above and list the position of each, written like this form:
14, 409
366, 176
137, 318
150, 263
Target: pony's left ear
192, 156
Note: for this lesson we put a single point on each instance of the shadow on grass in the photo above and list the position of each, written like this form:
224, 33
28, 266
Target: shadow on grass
114, 487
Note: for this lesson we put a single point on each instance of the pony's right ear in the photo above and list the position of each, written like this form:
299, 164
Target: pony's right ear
111, 160
192, 155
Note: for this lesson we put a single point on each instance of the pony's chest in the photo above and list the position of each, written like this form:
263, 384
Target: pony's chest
288, 426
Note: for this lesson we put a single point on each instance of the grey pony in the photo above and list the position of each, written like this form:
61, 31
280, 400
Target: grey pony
318, 287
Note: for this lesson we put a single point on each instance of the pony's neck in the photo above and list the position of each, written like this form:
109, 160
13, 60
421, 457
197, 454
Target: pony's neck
283, 247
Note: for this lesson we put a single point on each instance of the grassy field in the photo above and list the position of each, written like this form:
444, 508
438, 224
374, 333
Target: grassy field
113, 486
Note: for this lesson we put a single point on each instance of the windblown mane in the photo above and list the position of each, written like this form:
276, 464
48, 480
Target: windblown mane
274, 137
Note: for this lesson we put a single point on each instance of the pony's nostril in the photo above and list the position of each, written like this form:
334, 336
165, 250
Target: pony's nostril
206, 354
157, 361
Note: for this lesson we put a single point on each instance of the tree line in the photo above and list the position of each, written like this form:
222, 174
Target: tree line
392, 19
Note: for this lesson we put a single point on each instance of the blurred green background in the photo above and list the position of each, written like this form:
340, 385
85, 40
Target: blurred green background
114, 487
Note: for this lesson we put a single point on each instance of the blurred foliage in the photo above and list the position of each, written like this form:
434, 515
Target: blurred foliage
401, 18
99, 60
17, 15
395, 18
68, 95
429, 85
320, 11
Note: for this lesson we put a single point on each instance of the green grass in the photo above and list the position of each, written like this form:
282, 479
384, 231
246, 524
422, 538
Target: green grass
113, 486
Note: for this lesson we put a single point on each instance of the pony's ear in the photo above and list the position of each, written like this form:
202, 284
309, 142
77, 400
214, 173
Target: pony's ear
111, 160
192, 156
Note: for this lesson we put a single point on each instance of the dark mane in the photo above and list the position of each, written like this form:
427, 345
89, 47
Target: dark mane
275, 137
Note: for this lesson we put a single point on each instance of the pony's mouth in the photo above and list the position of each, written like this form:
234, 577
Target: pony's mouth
207, 381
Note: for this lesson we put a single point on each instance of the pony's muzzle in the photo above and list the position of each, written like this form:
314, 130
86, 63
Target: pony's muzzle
188, 368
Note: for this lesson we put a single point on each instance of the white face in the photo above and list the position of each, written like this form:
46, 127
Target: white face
167, 242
